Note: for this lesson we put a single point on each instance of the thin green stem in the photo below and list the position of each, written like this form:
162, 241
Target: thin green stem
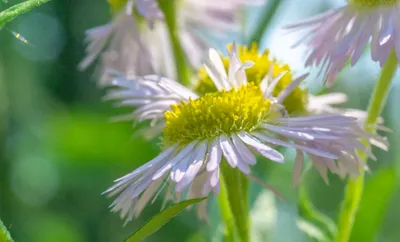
355, 186
237, 188
181, 64
266, 16
18, 9
225, 208
4, 234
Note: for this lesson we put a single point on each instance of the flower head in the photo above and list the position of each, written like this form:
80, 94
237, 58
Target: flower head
342, 34
264, 67
120, 45
232, 124
136, 42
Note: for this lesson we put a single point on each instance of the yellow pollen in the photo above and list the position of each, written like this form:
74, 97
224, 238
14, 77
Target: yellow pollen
373, 3
295, 103
217, 113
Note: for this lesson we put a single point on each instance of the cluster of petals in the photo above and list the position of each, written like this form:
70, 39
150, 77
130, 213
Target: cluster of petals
336, 36
138, 49
332, 142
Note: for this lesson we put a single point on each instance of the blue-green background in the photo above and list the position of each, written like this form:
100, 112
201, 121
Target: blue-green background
59, 152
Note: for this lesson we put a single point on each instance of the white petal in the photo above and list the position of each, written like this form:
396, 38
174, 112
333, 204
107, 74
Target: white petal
263, 149
182, 154
301, 147
228, 151
215, 155
243, 151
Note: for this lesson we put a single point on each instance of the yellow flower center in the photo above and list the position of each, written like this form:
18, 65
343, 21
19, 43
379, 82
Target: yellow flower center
295, 103
373, 3
117, 5
217, 113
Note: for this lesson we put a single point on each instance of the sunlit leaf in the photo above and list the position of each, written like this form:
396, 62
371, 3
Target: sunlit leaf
4, 234
376, 196
156, 222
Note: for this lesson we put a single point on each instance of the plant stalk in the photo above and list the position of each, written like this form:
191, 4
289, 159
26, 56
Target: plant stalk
181, 64
354, 187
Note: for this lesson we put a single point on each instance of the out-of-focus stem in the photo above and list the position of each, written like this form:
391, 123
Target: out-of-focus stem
237, 188
181, 64
225, 208
263, 23
355, 186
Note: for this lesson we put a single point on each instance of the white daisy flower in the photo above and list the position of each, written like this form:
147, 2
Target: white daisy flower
125, 44
138, 49
238, 121
341, 34
299, 102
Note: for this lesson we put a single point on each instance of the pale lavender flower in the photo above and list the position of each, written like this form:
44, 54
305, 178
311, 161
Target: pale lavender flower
127, 46
138, 49
199, 20
341, 34
201, 132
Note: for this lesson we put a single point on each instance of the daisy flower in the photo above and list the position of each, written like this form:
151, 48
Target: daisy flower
136, 47
342, 34
298, 102
229, 127
201, 21
126, 43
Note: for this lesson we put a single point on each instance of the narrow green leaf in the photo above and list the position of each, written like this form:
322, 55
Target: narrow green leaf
156, 222
375, 199
4, 234
18, 9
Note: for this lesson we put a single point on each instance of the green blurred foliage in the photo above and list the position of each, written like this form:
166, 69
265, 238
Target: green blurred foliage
59, 152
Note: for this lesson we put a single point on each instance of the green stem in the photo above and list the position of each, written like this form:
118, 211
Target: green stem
18, 9
266, 16
227, 216
237, 189
4, 234
355, 186
182, 68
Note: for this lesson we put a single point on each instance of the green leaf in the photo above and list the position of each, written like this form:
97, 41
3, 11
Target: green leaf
375, 199
4, 234
18, 9
156, 222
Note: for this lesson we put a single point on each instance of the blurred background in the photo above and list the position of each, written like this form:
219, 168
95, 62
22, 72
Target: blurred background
59, 152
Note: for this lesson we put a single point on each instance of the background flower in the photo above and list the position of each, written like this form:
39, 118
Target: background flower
341, 34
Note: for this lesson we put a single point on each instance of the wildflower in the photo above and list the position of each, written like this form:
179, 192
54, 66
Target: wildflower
233, 124
299, 102
123, 44
214, 17
341, 34
136, 47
